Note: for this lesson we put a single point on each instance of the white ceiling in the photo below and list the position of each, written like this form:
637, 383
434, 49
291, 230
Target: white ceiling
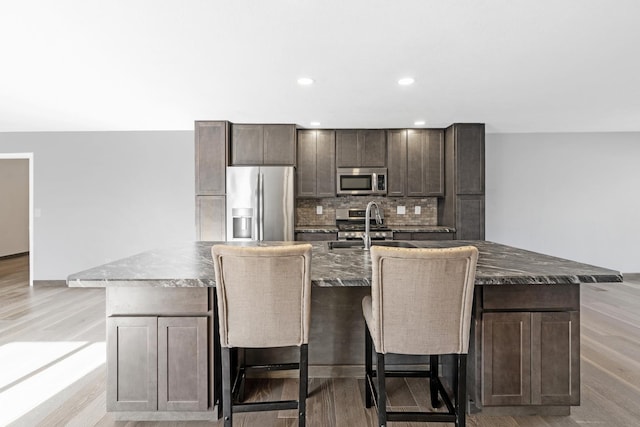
516, 65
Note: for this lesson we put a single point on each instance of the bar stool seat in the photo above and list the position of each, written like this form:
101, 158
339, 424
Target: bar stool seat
420, 304
263, 301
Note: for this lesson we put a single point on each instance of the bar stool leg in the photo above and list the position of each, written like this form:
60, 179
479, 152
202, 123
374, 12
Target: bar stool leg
303, 386
368, 367
461, 390
434, 362
382, 391
226, 387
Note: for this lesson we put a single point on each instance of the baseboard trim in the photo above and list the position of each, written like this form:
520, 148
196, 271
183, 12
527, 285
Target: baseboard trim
211, 415
50, 283
515, 411
18, 255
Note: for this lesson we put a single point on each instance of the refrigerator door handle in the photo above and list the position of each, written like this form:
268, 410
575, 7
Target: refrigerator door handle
260, 206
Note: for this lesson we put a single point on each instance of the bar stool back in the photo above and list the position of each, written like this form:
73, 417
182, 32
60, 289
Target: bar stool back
420, 304
264, 300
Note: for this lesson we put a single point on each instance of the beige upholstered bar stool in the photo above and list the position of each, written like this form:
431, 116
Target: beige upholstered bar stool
264, 300
420, 304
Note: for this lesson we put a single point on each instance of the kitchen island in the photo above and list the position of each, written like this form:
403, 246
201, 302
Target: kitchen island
525, 341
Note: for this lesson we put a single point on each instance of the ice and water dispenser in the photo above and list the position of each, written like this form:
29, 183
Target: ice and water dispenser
242, 223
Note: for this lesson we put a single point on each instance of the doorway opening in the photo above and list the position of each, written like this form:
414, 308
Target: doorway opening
29, 158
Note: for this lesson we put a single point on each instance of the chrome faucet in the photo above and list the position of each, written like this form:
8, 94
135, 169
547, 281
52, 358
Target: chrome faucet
367, 226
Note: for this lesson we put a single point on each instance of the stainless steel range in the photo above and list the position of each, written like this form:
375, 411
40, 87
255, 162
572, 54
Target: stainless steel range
351, 223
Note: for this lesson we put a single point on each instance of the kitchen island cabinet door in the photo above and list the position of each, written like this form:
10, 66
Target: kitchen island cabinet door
531, 358
555, 360
506, 361
132, 364
182, 364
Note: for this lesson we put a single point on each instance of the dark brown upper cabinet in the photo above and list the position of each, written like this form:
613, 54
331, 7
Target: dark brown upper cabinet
361, 148
257, 144
211, 157
415, 160
316, 171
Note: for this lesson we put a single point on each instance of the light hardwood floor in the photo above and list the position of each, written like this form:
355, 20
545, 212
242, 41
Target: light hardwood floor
74, 317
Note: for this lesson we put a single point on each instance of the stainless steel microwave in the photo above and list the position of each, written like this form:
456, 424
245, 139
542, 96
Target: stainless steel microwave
361, 181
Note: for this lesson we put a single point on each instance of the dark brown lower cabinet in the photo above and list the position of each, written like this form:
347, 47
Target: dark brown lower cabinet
159, 352
157, 363
132, 364
422, 235
182, 364
315, 237
531, 358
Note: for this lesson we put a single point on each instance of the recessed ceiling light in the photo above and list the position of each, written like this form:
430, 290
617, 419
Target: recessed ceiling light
305, 81
406, 81
419, 123
315, 123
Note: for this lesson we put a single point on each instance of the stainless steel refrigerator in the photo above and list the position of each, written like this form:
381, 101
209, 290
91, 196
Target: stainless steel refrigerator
260, 203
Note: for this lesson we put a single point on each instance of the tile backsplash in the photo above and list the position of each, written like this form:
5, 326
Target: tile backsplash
306, 209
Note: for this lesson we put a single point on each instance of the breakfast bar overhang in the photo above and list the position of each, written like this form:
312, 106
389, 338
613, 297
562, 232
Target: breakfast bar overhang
524, 355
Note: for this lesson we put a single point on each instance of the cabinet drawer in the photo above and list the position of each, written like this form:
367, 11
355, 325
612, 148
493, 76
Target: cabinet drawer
531, 297
314, 237
155, 301
432, 236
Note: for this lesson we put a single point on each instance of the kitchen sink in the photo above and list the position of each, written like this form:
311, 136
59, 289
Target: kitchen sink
346, 244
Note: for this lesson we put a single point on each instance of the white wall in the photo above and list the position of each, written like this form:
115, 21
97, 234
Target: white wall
573, 195
106, 195
14, 206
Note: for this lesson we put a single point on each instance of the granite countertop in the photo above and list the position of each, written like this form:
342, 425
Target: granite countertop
190, 265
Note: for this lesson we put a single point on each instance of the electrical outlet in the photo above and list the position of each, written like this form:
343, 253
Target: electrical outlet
401, 210
418, 209
319, 210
